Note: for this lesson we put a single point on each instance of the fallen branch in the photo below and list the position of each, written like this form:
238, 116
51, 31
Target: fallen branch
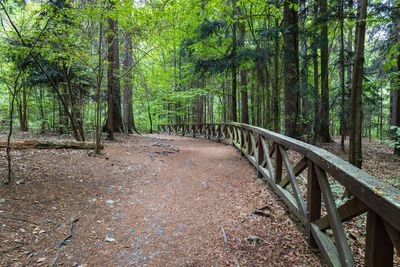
261, 213
62, 242
26, 144
253, 239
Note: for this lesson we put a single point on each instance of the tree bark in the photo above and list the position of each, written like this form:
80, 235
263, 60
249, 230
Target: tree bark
127, 99
304, 71
114, 118
243, 77
324, 127
291, 70
317, 105
233, 68
276, 95
397, 99
343, 125
355, 153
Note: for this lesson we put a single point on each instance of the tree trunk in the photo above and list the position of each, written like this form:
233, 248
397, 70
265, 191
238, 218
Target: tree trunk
276, 94
233, 68
397, 99
243, 77
355, 153
343, 125
114, 118
291, 70
98, 85
42, 119
324, 127
74, 112
127, 99
117, 114
304, 71
23, 120
349, 64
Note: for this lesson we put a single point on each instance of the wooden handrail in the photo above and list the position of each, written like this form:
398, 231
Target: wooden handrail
267, 151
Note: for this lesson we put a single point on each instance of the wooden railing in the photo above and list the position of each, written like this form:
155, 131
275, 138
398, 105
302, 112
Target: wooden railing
268, 152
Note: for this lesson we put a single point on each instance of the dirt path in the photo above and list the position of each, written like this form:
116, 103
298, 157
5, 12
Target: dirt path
149, 200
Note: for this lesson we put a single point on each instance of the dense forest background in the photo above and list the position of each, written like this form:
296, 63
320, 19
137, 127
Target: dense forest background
311, 69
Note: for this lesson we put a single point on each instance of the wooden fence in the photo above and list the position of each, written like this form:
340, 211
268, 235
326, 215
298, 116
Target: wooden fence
268, 152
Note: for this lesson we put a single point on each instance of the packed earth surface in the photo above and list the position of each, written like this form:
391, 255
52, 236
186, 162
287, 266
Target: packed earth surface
148, 200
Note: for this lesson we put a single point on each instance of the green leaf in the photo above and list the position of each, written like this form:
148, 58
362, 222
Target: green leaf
393, 48
386, 66
296, 7
394, 62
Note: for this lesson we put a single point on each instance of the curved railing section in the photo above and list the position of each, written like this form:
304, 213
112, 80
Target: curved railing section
268, 152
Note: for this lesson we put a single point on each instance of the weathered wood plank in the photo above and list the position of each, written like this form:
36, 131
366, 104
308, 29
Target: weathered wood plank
289, 200
268, 158
295, 186
347, 211
345, 255
260, 155
379, 247
313, 201
278, 164
297, 169
328, 249
394, 236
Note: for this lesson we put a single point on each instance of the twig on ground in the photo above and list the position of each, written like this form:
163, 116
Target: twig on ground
236, 261
10, 249
264, 207
27, 263
23, 220
224, 235
62, 242
261, 213
253, 239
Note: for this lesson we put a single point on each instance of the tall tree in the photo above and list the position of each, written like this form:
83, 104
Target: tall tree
233, 67
114, 116
397, 87
355, 153
276, 94
243, 77
127, 97
317, 104
343, 126
324, 126
291, 68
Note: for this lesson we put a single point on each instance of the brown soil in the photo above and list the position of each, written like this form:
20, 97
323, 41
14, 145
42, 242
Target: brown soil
149, 200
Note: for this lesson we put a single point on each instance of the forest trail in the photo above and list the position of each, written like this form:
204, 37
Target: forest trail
149, 200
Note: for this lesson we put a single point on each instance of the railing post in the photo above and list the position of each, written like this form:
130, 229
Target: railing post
313, 201
278, 164
379, 247
260, 156
249, 144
